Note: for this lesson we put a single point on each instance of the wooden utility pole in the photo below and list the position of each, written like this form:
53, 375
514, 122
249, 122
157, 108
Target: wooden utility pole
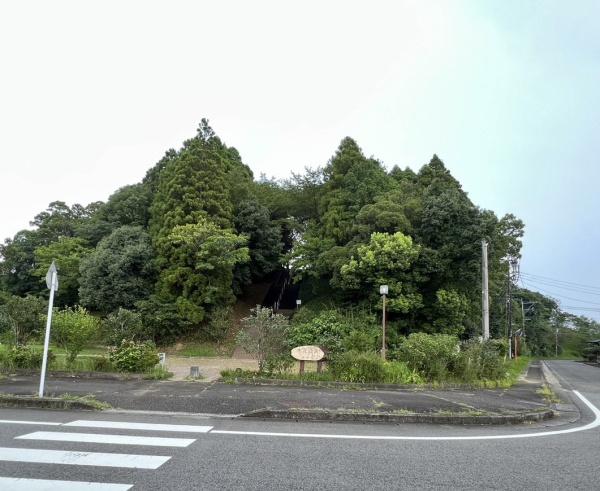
485, 296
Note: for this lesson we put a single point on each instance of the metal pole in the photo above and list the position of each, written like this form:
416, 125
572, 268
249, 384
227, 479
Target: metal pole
509, 310
556, 344
383, 337
485, 297
47, 337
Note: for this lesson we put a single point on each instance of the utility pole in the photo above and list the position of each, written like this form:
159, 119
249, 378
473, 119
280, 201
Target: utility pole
556, 343
509, 308
523, 317
485, 297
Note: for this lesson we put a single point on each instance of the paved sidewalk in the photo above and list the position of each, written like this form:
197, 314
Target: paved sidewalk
230, 399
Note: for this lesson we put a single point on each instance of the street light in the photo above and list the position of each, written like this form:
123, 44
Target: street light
383, 291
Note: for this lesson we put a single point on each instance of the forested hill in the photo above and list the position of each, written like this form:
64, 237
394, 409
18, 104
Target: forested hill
199, 229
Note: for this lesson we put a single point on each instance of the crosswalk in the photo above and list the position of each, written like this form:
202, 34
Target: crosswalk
65, 457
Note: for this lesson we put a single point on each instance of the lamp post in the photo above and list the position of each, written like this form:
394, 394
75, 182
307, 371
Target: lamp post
383, 290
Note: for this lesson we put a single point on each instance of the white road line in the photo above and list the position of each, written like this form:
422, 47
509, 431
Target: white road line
593, 424
19, 422
39, 456
125, 425
22, 484
102, 438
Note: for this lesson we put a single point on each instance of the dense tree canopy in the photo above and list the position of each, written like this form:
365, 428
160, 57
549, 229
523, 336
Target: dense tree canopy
120, 271
178, 247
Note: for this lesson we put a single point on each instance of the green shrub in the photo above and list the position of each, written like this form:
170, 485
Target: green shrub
397, 372
480, 361
124, 324
6, 359
21, 318
325, 330
432, 355
29, 356
219, 324
361, 340
101, 364
353, 366
263, 335
132, 356
276, 364
73, 329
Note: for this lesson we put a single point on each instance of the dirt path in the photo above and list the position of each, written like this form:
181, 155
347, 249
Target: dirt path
210, 367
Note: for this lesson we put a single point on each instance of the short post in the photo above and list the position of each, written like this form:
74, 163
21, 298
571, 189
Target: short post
52, 284
383, 290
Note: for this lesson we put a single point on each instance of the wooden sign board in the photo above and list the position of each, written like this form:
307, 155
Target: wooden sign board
308, 353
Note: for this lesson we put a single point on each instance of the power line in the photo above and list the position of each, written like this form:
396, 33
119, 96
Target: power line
589, 309
562, 287
554, 280
560, 294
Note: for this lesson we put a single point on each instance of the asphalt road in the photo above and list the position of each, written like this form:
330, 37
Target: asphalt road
224, 453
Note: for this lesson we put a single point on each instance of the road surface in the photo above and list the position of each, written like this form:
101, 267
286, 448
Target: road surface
118, 451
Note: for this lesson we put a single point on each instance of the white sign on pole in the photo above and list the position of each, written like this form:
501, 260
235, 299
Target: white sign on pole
52, 271
52, 283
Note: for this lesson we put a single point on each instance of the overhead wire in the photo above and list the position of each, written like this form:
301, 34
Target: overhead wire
560, 281
561, 287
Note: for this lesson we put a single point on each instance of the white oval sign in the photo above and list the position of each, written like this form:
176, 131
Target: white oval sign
308, 353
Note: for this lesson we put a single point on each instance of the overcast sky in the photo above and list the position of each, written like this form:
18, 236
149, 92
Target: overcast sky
507, 93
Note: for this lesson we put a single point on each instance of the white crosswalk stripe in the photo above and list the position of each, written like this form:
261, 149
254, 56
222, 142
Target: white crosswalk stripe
101, 459
58, 436
22, 484
91, 458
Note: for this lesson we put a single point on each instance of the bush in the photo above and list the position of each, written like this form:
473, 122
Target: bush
6, 360
276, 364
73, 329
219, 324
335, 330
101, 364
353, 366
397, 372
480, 361
132, 356
124, 324
263, 335
21, 318
363, 341
29, 356
432, 355
163, 320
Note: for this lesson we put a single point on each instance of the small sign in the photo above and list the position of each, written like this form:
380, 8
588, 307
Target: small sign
308, 353
162, 359
52, 269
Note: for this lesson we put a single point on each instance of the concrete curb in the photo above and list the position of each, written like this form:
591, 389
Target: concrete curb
43, 403
94, 375
343, 385
432, 418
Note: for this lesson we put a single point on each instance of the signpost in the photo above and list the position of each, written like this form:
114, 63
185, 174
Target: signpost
309, 353
52, 284
383, 291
